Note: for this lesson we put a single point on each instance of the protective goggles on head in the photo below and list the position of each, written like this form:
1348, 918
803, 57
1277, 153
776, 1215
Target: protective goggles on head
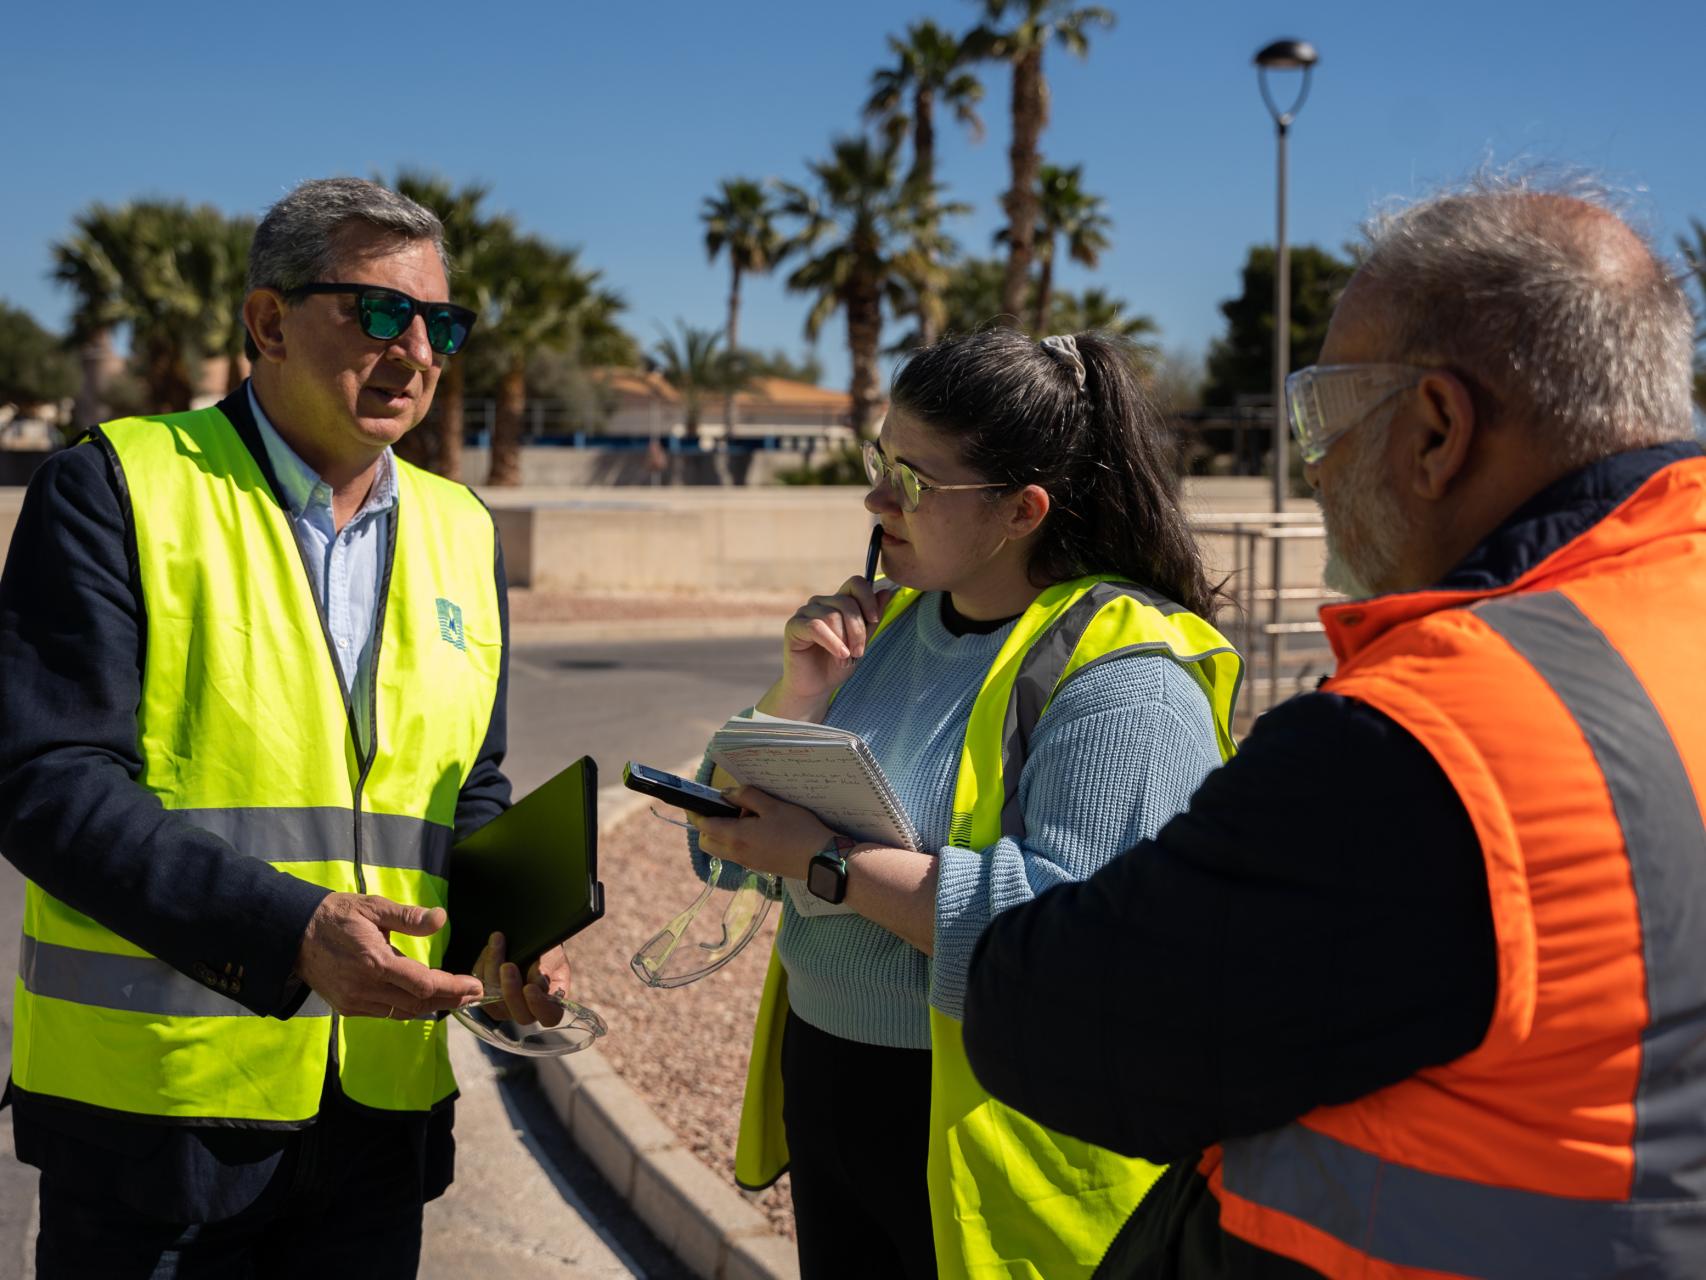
385, 314
905, 482
1326, 400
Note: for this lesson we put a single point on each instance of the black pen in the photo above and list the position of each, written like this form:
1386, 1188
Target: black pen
872, 548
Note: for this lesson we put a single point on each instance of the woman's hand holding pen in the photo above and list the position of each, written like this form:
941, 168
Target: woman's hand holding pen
821, 644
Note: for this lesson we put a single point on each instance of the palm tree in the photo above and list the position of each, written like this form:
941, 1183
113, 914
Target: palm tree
740, 219
931, 68
931, 65
531, 295
81, 264
213, 261
171, 267
466, 229
697, 363
969, 299
871, 239
934, 252
174, 275
1098, 309
1065, 209
1016, 32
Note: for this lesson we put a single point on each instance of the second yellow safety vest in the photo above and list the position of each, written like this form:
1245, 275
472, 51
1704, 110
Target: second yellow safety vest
1009, 1197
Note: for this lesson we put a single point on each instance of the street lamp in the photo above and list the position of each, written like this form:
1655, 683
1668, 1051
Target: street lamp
1283, 55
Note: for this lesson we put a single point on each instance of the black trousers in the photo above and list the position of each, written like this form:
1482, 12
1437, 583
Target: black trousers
345, 1199
858, 1122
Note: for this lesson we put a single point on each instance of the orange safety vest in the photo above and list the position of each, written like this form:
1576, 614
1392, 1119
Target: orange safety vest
1569, 711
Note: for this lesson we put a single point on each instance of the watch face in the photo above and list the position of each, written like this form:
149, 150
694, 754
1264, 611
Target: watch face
826, 880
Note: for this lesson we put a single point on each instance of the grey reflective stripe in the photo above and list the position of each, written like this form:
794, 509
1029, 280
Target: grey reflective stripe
136, 984
1409, 1218
410, 844
1659, 813
327, 834
1157, 646
1040, 671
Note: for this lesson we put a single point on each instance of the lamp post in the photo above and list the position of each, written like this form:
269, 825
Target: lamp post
1281, 55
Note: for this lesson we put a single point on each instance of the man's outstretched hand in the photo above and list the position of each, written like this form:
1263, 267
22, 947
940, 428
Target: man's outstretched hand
348, 959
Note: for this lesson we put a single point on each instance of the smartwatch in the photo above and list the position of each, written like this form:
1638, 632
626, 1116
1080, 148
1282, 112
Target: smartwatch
826, 877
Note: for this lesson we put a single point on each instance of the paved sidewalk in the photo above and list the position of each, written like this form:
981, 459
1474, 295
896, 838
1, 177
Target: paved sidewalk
506, 1214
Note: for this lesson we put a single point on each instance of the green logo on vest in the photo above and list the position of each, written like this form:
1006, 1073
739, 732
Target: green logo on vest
450, 623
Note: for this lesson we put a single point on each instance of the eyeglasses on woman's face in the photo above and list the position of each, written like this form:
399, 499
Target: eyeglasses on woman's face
385, 314
908, 487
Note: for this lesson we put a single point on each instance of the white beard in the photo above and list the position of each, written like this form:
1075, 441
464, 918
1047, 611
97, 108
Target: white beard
1365, 527
1339, 576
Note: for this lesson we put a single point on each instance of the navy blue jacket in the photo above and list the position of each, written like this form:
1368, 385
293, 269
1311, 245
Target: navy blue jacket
1314, 927
74, 820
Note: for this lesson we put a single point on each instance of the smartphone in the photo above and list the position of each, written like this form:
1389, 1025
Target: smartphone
683, 793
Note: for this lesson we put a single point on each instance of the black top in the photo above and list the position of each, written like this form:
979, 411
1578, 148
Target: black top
956, 623
1314, 927
73, 819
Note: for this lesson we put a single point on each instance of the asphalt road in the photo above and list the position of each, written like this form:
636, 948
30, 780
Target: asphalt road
655, 702
652, 701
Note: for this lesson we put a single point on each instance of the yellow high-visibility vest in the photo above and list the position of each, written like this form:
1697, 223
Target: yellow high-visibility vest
1009, 1197
244, 729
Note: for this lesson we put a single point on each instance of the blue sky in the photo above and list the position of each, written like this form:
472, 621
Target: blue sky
605, 125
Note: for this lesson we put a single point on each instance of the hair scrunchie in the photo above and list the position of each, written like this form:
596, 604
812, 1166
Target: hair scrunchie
1064, 347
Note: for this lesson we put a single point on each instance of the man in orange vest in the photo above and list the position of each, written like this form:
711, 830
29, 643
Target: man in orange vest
1417, 985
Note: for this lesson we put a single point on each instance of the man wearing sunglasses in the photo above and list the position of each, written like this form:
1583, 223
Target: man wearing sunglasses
1415, 988
253, 688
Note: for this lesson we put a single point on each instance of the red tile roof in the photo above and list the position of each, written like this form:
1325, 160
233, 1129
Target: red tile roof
764, 392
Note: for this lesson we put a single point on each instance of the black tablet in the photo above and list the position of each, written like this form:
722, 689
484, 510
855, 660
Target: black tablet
531, 872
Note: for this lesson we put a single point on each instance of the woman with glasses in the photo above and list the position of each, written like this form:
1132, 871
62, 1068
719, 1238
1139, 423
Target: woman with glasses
1039, 680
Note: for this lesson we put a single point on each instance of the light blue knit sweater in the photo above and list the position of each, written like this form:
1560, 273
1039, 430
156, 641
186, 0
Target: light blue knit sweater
1117, 754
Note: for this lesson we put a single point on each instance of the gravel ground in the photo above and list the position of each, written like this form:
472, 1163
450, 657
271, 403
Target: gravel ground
684, 1050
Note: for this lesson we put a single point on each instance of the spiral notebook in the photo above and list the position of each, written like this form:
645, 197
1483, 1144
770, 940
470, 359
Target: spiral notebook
819, 767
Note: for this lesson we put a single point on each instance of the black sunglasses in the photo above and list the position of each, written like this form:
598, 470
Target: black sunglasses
386, 313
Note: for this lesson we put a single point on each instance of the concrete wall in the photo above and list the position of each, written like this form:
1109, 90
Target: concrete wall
795, 540
776, 538
681, 540
576, 468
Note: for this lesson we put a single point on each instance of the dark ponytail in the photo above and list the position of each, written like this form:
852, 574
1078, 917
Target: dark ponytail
1102, 452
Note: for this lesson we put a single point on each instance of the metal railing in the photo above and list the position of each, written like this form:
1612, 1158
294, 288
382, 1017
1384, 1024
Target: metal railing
1273, 623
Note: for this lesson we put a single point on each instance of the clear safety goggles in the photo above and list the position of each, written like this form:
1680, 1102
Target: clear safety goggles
578, 1027
711, 931
1326, 400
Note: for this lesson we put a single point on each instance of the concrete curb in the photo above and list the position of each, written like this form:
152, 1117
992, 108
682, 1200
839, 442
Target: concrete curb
697, 1216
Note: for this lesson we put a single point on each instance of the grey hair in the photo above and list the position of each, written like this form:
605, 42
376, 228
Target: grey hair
1555, 317
296, 242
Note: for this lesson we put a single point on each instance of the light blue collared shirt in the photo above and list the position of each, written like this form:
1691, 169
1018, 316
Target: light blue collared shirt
343, 567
